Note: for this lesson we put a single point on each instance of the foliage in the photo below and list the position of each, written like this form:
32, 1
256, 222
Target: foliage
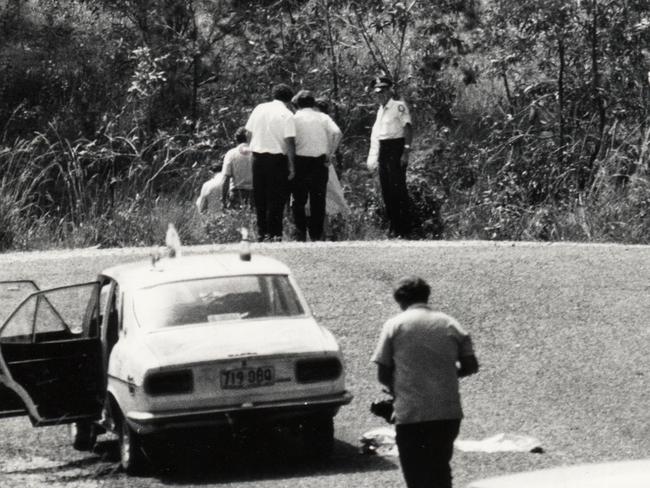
531, 119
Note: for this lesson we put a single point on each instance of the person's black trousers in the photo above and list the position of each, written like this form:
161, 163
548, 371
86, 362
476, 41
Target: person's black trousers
310, 182
392, 177
270, 192
425, 451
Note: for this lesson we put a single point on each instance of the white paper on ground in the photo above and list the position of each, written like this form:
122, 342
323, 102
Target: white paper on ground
381, 441
500, 443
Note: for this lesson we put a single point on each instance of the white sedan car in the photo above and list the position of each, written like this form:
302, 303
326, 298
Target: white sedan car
156, 347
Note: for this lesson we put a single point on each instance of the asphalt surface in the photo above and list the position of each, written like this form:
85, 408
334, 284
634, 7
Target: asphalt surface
561, 331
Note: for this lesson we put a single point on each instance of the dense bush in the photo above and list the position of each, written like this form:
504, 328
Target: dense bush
531, 121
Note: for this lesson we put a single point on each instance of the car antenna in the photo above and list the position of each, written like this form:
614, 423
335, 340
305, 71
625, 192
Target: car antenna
245, 249
172, 241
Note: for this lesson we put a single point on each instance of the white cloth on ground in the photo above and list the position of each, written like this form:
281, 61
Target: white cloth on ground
209, 200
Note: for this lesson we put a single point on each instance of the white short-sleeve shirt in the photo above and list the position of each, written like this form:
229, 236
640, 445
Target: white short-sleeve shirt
422, 347
391, 120
315, 133
270, 123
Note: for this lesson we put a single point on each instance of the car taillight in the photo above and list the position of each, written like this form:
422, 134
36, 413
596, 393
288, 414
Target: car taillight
321, 369
169, 383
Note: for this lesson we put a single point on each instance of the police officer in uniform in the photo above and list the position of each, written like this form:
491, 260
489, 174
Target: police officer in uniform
390, 144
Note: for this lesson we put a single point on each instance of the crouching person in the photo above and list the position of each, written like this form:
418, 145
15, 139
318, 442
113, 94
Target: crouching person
238, 173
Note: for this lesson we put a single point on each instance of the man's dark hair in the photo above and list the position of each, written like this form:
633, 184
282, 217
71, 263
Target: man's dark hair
282, 92
240, 135
323, 105
305, 99
410, 290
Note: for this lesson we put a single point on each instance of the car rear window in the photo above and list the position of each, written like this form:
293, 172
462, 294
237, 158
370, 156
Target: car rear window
215, 300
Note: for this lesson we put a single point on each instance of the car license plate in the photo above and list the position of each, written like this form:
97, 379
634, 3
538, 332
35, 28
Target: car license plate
247, 377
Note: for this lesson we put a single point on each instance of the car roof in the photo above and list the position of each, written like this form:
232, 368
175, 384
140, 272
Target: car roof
143, 274
619, 474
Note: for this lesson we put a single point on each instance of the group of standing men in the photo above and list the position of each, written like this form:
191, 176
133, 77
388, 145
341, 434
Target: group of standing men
282, 153
291, 154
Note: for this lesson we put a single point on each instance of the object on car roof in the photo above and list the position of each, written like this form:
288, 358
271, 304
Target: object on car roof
618, 474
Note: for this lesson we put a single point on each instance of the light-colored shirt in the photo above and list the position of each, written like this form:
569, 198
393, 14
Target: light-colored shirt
389, 124
422, 347
270, 123
238, 164
316, 133
210, 197
391, 120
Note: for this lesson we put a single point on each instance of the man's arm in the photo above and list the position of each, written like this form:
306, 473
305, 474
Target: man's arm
335, 136
385, 376
291, 155
468, 365
225, 189
408, 138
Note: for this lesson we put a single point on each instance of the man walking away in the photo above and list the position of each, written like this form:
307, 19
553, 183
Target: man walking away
238, 168
271, 132
317, 137
417, 357
390, 144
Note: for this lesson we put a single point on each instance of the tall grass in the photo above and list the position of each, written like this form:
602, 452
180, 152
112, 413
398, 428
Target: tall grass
121, 191
20, 178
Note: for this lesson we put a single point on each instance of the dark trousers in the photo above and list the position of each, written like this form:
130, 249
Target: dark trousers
310, 182
270, 192
425, 451
392, 177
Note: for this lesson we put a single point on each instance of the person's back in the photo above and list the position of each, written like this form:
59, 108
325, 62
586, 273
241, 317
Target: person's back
238, 165
426, 345
313, 133
267, 124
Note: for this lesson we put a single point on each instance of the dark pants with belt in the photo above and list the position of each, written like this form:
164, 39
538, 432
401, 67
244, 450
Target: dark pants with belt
310, 182
392, 177
425, 451
270, 192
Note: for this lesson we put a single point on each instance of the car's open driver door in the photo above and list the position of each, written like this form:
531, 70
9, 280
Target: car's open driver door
51, 357
11, 294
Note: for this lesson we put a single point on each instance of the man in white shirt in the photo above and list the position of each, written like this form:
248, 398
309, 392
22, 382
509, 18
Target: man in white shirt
317, 137
271, 133
390, 144
238, 172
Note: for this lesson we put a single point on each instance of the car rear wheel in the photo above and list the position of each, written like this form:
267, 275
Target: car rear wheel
83, 435
318, 437
132, 456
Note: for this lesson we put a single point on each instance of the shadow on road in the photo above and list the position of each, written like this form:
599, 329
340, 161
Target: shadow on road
201, 461
250, 463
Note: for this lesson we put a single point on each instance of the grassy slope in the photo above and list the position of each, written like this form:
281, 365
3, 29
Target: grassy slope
561, 332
